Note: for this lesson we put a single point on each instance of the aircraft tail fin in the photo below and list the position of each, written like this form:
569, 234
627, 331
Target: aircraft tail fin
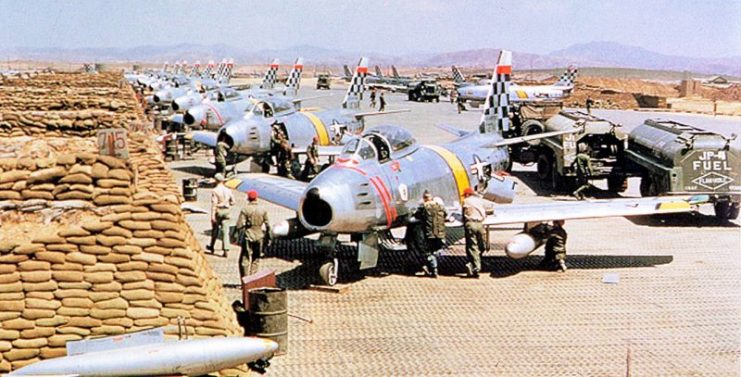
226, 74
268, 82
165, 67
378, 72
348, 72
458, 77
220, 69
357, 85
395, 72
568, 78
196, 69
209, 68
294, 78
496, 111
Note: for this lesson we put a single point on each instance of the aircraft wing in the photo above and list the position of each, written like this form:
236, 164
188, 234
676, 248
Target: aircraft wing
391, 87
204, 137
453, 130
538, 212
324, 150
523, 139
278, 190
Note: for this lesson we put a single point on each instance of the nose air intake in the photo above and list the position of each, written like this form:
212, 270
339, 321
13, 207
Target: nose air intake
175, 106
156, 98
225, 137
315, 211
189, 119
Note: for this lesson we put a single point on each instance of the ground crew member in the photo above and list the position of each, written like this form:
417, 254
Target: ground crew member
453, 96
589, 104
474, 213
220, 157
311, 167
251, 219
373, 98
432, 215
555, 246
583, 167
382, 103
276, 137
461, 107
285, 157
221, 200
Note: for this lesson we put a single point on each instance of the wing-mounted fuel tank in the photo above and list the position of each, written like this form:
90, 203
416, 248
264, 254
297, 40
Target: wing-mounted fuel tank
522, 244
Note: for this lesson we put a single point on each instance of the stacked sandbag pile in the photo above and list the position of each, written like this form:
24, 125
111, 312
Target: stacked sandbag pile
62, 123
68, 80
109, 252
21, 99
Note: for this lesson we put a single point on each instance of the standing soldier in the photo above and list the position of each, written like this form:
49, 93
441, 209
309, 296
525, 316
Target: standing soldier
459, 102
373, 98
555, 246
432, 214
220, 157
221, 200
382, 103
312, 160
583, 167
285, 158
474, 213
251, 219
589, 104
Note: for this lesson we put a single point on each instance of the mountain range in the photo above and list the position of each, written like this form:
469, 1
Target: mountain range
593, 54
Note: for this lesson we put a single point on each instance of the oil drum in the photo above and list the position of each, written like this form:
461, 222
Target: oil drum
190, 189
268, 316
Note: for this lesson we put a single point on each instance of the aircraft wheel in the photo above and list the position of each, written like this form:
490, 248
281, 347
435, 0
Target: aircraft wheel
328, 272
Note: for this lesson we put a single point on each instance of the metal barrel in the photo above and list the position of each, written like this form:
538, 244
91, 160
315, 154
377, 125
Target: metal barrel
269, 316
190, 189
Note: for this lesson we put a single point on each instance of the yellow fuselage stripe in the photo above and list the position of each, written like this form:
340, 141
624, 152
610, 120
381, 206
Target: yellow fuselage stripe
321, 130
460, 174
233, 183
521, 94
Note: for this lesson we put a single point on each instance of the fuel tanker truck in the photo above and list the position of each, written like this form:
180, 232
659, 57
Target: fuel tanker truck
674, 158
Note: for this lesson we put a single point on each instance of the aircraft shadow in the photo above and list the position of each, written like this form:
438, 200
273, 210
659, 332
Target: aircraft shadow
203, 171
410, 263
541, 188
694, 220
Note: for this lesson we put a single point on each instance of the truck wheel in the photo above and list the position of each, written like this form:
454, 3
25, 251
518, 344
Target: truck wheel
437, 99
733, 212
722, 210
617, 183
544, 167
646, 183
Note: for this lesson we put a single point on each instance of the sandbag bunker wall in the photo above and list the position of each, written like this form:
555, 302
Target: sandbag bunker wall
93, 245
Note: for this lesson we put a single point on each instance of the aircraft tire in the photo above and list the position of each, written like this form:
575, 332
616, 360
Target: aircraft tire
328, 272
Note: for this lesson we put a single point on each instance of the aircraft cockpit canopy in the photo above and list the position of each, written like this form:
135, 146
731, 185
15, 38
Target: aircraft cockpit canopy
359, 150
280, 105
398, 139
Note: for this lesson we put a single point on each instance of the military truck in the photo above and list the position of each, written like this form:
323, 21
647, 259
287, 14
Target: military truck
322, 81
601, 139
424, 91
675, 158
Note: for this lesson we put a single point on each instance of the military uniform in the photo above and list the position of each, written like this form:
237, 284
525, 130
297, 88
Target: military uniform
285, 158
312, 161
250, 221
433, 216
474, 213
583, 167
555, 246
221, 199
220, 157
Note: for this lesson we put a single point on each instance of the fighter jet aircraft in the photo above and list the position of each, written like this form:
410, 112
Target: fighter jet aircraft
251, 135
476, 94
378, 180
226, 105
183, 85
394, 83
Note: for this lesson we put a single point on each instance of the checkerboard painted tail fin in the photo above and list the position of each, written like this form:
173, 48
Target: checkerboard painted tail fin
226, 74
268, 82
220, 69
378, 72
357, 85
496, 111
196, 69
209, 69
458, 75
294, 78
568, 78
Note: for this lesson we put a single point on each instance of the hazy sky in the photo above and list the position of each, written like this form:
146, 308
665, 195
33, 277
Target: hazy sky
681, 27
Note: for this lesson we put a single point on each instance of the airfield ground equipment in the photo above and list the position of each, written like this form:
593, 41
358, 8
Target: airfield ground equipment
676, 158
601, 139
322, 81
424, 91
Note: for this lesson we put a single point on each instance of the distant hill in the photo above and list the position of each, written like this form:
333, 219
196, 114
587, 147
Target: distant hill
594, 54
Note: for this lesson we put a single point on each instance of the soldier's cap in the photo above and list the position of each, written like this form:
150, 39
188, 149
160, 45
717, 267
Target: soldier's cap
219, 177
252, 195
468, 191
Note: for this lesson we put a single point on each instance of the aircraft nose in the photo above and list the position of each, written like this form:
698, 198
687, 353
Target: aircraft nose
242, 138
175, 105
337, 201
194, 116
